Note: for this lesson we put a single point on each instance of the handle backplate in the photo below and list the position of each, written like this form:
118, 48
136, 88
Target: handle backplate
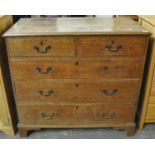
103, 115
44, 116
110, 92
41, 48
113, 47
43, 93
41, 71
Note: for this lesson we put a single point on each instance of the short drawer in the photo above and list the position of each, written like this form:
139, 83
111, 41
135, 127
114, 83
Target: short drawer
52, 68
111, 46
78, 90
41, 46
67, 114
43, 68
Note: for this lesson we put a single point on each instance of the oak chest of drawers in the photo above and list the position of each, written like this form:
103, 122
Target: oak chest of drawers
76, 72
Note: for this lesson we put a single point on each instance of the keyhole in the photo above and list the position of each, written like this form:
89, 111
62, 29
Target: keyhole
76, 84
113, 41
105, 67
41, 43
77, 107
77, 63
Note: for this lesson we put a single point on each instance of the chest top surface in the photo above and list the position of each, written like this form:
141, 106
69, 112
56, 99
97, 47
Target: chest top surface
75, 26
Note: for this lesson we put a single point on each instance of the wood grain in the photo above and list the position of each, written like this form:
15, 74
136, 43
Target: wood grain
75, 26
96, 46
92, 78
78, 90
30, 46
78, 114
150, 114
76, 68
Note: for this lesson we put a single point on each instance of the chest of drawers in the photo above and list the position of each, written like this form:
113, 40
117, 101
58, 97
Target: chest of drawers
76, 72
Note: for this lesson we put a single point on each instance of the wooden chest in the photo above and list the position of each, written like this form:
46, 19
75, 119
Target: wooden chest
148, 108
7, 120
76, 72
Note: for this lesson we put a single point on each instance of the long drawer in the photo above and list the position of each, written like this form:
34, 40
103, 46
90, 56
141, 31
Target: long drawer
76, 68
77, 90
78, 114
41, 46
111, 46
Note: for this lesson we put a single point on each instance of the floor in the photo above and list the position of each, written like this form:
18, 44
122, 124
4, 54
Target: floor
104, 133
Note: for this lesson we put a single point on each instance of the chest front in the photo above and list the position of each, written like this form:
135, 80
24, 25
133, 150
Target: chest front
76, 77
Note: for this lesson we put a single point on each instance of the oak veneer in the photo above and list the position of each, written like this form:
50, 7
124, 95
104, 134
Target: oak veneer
76, 115
76, 72
64, 46
39, 68
96, 46
75, 27
92, 91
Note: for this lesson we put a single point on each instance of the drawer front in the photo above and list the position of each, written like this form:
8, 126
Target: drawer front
111, 46
111, 68
67, 114
107, 68
41, 46
37, 68
77, 90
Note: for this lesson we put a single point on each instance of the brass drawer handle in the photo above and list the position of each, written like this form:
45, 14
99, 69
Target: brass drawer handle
41, 48
110, 92
48, 69
49, 92
102, 115
113, 47
46, 117
112, 114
